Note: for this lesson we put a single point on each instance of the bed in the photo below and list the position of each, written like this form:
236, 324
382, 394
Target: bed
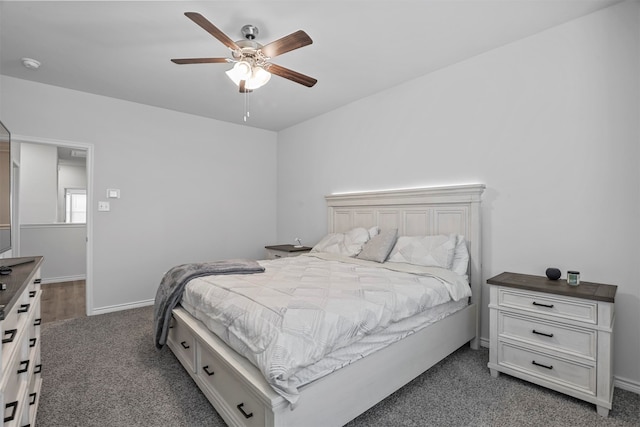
239, 391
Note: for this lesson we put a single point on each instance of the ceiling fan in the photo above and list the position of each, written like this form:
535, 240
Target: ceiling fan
252, 67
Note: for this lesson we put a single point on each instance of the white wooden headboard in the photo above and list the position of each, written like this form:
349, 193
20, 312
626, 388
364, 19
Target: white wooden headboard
422, 211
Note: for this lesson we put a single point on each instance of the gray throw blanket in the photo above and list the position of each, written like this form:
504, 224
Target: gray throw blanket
170, 290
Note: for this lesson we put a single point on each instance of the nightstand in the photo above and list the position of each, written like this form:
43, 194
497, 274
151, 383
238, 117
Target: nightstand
554, 335
285, 251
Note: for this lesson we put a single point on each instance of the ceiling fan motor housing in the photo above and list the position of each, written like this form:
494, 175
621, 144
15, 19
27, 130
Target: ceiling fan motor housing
250, 32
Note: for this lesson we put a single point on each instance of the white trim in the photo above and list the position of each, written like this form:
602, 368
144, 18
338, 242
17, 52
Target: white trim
626, 384
89, 148
484, 342
121, 307
62, 279
55, 225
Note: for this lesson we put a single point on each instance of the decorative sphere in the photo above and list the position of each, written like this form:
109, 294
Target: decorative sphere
553, 273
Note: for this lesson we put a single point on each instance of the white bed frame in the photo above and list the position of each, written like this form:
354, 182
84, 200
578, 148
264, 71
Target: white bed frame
242, 396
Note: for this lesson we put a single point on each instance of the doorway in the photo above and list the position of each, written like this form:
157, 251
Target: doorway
29, 231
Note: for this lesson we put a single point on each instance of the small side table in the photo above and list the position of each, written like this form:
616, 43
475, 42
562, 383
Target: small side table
554, 335
285, 251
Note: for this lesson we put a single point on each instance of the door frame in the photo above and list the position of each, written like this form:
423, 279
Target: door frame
89, 165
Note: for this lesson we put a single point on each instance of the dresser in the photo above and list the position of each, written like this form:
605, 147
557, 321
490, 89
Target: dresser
20, 348
284, 251
554, 335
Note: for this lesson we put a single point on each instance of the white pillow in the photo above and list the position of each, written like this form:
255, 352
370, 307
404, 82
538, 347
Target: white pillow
374, 231
429, 251
460, 262
349, 243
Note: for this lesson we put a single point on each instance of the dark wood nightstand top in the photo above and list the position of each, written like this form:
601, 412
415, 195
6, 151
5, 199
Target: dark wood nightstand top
288, 248
585, 290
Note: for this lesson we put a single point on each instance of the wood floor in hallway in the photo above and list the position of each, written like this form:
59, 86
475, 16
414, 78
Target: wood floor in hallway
62, 301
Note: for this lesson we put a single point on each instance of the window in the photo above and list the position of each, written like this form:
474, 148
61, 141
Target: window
75, 205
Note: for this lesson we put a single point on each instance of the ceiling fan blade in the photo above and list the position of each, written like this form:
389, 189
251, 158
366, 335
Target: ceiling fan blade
212, 29
286, 44
199, 61
294, 76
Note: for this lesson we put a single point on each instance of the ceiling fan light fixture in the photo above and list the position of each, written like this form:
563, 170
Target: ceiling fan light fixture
254, 76
243, 70
259, 77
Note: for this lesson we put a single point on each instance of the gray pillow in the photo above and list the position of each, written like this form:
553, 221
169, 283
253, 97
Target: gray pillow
378, 247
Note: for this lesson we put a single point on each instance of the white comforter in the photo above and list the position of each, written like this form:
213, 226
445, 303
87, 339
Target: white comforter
303, 308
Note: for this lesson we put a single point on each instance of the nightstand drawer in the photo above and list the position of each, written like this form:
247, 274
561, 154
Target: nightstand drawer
577, 376
550, 305
551, 335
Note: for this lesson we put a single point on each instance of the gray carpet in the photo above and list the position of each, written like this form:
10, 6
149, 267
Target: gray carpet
105, 371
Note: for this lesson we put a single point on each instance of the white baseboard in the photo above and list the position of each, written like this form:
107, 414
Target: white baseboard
63, 279
626, 384
120, 307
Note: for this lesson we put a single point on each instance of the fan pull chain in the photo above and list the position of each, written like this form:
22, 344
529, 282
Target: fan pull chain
247, 114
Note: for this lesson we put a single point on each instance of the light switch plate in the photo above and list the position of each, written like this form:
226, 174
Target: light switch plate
113, 193
104, 207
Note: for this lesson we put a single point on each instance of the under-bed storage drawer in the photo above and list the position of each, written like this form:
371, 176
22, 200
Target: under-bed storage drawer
183, 343
241, 404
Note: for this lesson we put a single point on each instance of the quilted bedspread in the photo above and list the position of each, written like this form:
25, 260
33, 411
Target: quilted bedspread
303, 308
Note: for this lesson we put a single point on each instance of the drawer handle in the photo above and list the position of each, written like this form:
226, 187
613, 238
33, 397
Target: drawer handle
24, 308
242, 411
37, 322
206, 370
38, 368
26, 367
543, 305
33, 398
37, 281
542, 333
542, 366
32, 294
32, 342
13, 405
12, 333
184, 345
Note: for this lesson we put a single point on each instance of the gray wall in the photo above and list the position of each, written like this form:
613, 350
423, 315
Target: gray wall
549, 124
63, 247
192, 189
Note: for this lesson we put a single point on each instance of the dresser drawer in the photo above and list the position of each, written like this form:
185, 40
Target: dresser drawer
183, 343
35, 283
577, 376
14, 327
15, 383
549, 305
243, 406
556, 336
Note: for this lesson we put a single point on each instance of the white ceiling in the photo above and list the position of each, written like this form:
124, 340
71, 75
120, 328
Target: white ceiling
122, 49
